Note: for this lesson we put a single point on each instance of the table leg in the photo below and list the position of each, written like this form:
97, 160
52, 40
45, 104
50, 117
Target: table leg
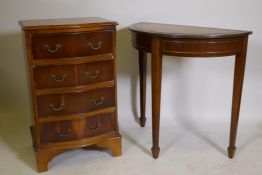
156, 68
142, 72
237, 91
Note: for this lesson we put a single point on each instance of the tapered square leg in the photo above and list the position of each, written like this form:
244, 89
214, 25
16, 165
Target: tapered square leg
240, 61
156, 68
231, 152
142, 75
155, 152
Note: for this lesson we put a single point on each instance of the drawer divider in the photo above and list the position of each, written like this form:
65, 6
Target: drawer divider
75, 116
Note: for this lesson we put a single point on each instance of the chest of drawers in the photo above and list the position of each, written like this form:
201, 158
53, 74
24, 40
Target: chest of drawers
71, 65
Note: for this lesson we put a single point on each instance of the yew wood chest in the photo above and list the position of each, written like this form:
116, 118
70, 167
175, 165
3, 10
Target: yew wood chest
72, 70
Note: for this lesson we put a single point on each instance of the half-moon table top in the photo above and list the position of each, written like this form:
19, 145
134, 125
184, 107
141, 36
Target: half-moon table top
181, 31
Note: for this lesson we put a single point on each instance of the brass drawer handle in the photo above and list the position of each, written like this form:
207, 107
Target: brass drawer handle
57, 46
61, 134
53, 77
93, 75
97, 128
55, 108
98, 102
95, 46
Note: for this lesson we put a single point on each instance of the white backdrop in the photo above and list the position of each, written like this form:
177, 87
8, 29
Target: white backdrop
199, 88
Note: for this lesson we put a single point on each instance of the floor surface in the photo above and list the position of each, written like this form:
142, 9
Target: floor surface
187, 148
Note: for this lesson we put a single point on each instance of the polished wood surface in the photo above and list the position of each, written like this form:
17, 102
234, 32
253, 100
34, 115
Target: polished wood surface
46, 152
112, 144
54, 76
156, 66
187, 41
76, 129
54, 118
239, 72
188, 32
83, 88
72, 71
142, 72
95, 72
190, 47
72, 103
65, 23
75, 60
54, 46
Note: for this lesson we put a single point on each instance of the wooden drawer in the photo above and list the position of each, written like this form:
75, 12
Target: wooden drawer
95, 72
201, 47
66, 75
75, 103
68, 45
54, 76
77, 129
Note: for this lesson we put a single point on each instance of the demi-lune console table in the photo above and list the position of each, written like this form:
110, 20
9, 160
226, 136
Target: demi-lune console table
187, 41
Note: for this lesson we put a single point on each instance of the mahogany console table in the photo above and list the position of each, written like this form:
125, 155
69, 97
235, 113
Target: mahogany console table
187, 41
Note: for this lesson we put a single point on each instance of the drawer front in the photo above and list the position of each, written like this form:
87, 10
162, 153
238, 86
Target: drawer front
95, 72
202, 48
64, 76
71, 45
75, 103
54, 76
77, 129
97, 125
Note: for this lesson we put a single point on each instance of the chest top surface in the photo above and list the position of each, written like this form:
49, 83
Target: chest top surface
181, 31
65, 23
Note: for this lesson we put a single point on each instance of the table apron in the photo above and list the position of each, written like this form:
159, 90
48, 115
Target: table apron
191, 47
